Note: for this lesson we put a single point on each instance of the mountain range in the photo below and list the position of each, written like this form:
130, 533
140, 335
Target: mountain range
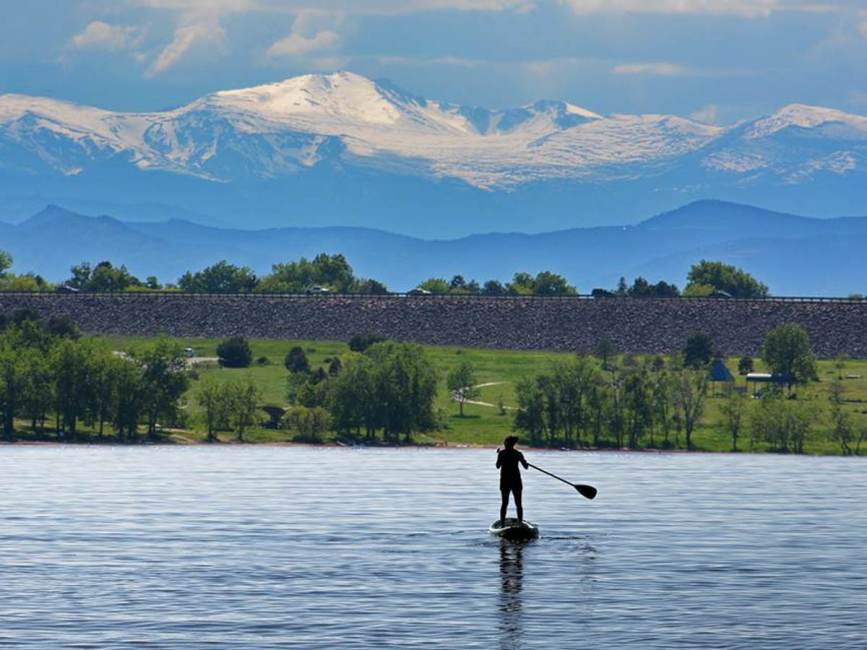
343, 150
793, 255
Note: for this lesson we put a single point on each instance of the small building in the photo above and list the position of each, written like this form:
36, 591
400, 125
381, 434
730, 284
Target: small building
720, 372
757, 378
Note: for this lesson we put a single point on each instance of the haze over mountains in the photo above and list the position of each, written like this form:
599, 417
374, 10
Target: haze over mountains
341, 149
793, 255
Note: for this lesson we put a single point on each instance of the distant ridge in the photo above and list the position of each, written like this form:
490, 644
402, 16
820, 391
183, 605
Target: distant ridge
794, 255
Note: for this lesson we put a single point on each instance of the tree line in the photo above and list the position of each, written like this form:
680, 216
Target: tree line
333, 273
658, 402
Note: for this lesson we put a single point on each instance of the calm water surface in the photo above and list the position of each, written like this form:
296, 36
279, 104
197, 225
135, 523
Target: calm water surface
342, 548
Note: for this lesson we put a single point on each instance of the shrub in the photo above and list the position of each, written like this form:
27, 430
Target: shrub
360, 342
235, 352
296, 360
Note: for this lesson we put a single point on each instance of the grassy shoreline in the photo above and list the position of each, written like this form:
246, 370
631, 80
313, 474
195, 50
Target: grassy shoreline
483, 426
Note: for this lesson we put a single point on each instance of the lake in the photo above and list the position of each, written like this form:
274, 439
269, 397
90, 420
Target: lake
276, 547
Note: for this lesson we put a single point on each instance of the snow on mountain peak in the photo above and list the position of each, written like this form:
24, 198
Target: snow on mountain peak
342, 95
279, 129
805, 117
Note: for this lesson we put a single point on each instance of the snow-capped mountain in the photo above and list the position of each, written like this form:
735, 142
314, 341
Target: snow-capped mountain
340, 147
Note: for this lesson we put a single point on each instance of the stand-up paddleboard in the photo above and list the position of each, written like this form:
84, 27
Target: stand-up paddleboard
511, 529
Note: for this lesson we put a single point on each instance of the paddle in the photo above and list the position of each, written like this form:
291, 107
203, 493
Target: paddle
587, 491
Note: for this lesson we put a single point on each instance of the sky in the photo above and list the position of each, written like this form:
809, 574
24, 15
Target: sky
714, 60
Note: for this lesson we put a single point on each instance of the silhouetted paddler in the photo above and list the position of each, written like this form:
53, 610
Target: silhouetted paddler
508, 461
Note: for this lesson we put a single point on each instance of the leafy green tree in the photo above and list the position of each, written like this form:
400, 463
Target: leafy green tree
360, 342
129, 396
724, 277
331, 271
784, 424
787, 352
690, 389
406, 388
745, 365
605, 351
235, 352
215, 400
461, 383
37, 398
698, 351
104, 277
544, 283
641, 288
296, 360
733, 409
309, 424
530, 414
244, 404
5, 262
371, 287
494, 288
221, 277
70, 366
15, 359
164, 381
438, 286
842, 428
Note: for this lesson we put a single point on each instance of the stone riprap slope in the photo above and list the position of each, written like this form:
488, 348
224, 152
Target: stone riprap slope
634, 325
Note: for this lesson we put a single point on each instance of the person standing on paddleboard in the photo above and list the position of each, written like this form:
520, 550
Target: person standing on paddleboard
508, 460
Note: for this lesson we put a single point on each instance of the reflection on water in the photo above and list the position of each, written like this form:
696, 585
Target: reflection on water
256, 548
511, 577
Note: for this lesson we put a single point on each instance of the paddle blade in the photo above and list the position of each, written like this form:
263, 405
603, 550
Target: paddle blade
587, 491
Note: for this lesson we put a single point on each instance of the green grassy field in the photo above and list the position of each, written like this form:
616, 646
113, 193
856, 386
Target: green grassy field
486, 425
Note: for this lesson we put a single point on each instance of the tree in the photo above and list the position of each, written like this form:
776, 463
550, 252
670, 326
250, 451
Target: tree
164, 380
530, 414
698, 351
14, 360
221, 277
745, 365
690, 390
70, 369
331, 271
215, 400
461, 384
360, 342
605, 351
437, 286
5, 262
129, 396
545, 283
296, 360
784, 424
787, 352
104, 277
494, 288
235, 352
244, 404
724, 277
372, 287
733, 409
842, 430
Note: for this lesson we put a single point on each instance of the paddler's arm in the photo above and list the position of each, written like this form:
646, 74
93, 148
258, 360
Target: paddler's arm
524, 462
499, 451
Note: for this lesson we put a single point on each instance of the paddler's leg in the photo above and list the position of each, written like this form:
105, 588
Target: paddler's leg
504, 503
518, 505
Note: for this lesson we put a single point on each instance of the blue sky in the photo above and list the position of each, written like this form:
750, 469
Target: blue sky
718, 60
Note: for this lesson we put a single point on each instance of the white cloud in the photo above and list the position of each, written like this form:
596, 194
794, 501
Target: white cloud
709, 114
296, 44
744, 8
343, 6
100, 35
655, 69
195, 32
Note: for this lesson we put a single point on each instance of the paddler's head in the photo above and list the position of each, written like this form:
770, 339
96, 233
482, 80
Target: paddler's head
510, 442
